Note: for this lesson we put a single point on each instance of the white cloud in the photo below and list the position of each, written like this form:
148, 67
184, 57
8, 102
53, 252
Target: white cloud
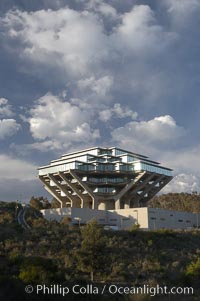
140, 34
122, 112
5, 108
183, 12
103, 8
101, 86
185, 159
78, 43
149, 136
117, 111
183, 183
107, 10
8, 127
66, 37
14, 168
105, 115
162, 140
60, 122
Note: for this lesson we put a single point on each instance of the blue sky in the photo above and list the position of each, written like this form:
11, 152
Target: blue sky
81, 73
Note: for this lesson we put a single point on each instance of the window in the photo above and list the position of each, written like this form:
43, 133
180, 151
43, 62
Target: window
153, 218
105, 152
113, 219
180, 220
162, 219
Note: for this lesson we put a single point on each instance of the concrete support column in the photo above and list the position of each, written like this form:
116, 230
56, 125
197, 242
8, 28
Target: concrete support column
94, 203
84, 204
117, 204
127, 204
102, 206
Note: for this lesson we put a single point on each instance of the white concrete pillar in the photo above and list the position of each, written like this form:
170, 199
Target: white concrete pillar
102, 206
117, 204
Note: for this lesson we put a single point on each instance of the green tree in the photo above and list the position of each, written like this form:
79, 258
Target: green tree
193, 269
37, 269
39, 203
91, 256
6, 218
35, 203
134, 228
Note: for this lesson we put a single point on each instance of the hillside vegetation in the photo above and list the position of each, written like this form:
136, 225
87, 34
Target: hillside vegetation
177, 201
56, 253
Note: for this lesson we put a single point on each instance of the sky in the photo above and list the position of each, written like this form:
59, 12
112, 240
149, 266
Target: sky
82, 73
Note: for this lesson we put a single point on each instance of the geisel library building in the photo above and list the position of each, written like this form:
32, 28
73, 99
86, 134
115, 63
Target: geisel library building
111, 185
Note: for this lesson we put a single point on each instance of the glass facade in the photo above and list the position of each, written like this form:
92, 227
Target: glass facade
151, 168
104, 160
105, 190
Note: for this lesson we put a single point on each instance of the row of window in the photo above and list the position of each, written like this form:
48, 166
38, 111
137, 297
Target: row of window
106, 180
105, 189
154, 212
151, 168
114, 219
163, 219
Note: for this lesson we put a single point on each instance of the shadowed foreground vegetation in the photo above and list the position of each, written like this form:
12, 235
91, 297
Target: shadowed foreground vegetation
54, 253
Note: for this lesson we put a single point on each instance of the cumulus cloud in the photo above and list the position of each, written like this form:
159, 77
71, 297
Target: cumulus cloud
101, 87
157, 133
78, 46
161, 139
183, 183
117, 111
72, 38
184, 159
140, 33
8, 127
5, 108
101, 7
183, 13
60, 122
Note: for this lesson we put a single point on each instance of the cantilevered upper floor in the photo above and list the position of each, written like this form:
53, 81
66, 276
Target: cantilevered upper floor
104, 159
104, 178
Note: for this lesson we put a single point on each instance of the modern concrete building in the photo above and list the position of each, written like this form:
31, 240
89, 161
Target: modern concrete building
123, 219
104, 179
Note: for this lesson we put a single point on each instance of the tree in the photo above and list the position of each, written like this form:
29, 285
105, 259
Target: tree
37, 269
35, 203
134, 228
66, 220
39, 203
193, 269
55, 203
91, 256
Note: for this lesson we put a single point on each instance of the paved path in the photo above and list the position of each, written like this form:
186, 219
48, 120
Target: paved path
21, 217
